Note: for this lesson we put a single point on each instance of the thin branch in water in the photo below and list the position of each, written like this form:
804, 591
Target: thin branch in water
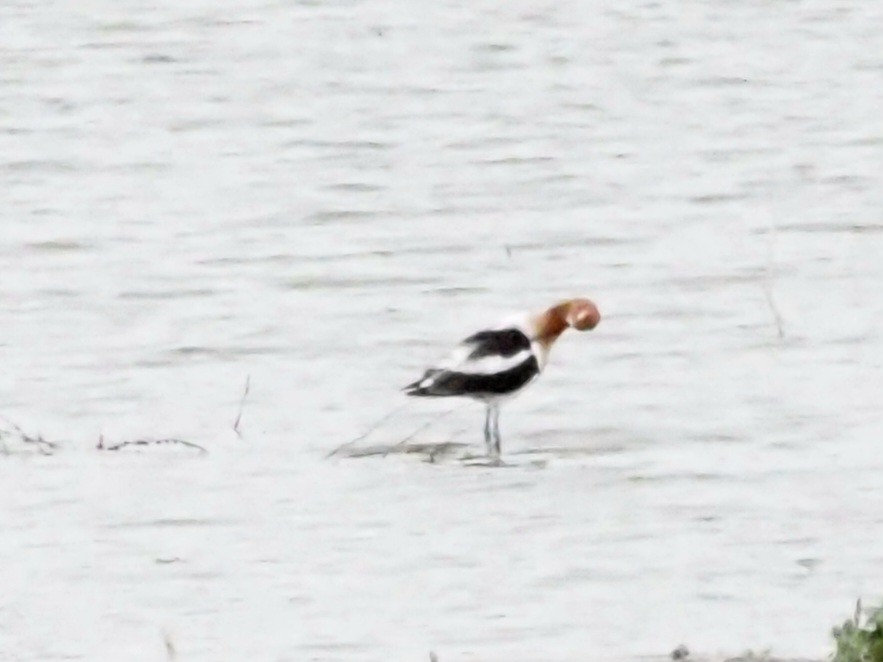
768, 281
780, 324
119, 445
241, 406
420, 429
371, 429
44, 446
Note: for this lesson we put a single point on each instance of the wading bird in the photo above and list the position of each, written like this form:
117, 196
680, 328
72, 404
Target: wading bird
493, 365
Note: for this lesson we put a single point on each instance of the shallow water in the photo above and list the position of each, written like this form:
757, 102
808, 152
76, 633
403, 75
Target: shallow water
323, 196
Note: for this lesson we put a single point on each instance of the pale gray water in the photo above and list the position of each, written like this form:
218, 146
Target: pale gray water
321, 195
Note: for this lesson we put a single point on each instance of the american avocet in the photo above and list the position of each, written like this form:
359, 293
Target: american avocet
495, 364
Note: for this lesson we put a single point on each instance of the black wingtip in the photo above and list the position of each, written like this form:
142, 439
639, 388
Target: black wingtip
414, 388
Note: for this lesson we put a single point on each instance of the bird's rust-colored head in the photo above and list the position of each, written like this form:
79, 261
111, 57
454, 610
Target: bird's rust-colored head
581, 314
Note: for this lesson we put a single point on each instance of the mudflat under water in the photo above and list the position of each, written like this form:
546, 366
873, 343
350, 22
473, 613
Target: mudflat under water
324, 196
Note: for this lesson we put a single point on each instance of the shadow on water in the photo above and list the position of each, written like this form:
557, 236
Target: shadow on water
459, 452
428, 452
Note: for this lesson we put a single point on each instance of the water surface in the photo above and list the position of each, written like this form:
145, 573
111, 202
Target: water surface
323, 196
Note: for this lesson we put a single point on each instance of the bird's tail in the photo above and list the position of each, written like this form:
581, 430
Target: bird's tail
420, 387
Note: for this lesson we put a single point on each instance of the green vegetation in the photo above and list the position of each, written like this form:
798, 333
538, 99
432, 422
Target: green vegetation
858, 641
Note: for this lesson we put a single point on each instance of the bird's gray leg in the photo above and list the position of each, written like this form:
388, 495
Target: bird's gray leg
488, 440
498, 441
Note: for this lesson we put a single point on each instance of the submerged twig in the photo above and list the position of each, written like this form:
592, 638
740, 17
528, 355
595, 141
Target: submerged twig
13, 432
43, 446
420, 429
432, 450
768, 281
119, 445
241, 406
367, 432
780, 324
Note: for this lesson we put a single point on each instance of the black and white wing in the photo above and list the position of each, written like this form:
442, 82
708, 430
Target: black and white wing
488, 363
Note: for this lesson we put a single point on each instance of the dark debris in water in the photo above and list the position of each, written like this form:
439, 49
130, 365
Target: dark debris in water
14, 437
683, 653
435, 452
430, 452
142, 443
680, 653
14, 440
